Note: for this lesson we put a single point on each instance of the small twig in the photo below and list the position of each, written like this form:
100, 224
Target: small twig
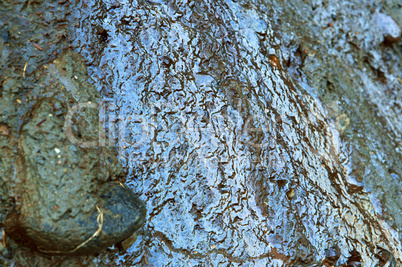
25, 68
38, 47
42, 121
99, 219
145, 258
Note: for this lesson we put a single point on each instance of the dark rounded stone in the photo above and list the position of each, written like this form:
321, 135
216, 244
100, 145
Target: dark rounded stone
117, 215
69, 200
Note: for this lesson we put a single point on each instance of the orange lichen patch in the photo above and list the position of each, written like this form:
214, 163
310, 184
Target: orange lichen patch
274, 61
4, 130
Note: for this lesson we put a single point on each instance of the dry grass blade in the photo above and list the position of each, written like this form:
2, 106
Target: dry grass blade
99, 219
25, 68
4, 238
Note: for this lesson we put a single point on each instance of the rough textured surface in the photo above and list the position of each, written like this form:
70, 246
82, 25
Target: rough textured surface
242, 163
357, 75
259, 133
